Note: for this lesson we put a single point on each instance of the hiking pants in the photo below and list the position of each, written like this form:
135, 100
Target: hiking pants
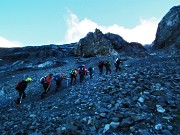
73, 76
23, 94
117, 68
46, 88
108, 69
90, 73
58, 85
81, 77
101, 69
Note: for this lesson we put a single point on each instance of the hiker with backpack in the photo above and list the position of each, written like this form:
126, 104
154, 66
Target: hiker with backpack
107, 65
82, 72
46, 82
20, 87
58, 79
117, 63
100, 66
73, 75
91, 70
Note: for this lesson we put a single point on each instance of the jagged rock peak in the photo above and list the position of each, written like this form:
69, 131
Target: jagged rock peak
168, 34
99, 44
98, 32
94, 44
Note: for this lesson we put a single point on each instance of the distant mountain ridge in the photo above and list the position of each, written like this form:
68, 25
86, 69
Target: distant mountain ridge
99, 44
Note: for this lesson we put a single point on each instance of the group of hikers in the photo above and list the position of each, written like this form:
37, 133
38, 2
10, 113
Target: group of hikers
73, 75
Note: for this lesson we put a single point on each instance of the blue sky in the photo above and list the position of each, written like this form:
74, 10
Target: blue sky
43, 22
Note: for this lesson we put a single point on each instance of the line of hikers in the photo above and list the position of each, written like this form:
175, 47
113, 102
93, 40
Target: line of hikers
81, 70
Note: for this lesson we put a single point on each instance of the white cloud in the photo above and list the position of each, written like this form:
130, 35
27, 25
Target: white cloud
7, 44
143, 33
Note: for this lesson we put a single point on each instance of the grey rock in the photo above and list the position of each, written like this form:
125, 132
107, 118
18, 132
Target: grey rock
126, 122
168, 30
166, 132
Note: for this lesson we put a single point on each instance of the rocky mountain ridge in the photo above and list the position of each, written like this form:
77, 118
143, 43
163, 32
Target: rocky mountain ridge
99, 44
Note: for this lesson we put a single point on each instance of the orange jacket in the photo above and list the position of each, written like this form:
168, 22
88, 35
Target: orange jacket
48, 80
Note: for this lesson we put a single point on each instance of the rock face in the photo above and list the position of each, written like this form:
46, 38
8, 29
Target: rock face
94, 44
121, 45
117, 41
99, 44
168, 32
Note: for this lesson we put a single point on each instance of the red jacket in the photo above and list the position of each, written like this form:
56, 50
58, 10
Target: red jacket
48, 80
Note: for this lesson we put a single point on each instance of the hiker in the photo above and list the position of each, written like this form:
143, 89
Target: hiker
82, 72
58, 79
91, 70
46, 82
117, 63
107, 64
21, 86
73, 75
100, 66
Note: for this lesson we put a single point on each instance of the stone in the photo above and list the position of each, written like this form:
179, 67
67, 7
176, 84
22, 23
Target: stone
143, 132
103, 114
158, 127
166, 132
141, 99
106, 128
160, 109
114, 125
103, 110
169, 127
126, 122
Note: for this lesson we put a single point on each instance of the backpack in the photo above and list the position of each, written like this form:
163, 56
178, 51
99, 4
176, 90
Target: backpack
43, 80
101, 63
91, 69
18, 85
56, 77
73, 72
82, 69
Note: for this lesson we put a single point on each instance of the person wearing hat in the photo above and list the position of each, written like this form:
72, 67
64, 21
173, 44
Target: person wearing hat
58, 79
21, 86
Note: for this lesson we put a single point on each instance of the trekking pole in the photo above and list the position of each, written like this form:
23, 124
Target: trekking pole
67, 83
48, 88
20, 98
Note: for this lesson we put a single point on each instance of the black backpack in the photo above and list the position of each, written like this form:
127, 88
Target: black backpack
43, 80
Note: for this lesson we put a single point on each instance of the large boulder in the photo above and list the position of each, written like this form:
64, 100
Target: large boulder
94, 44
168, 32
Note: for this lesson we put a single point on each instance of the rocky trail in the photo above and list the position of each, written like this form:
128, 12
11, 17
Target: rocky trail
143, 98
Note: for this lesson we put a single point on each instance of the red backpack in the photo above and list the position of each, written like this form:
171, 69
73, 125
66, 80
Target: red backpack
18, 85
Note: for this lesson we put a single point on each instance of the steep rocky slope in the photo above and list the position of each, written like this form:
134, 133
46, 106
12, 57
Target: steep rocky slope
143, 98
